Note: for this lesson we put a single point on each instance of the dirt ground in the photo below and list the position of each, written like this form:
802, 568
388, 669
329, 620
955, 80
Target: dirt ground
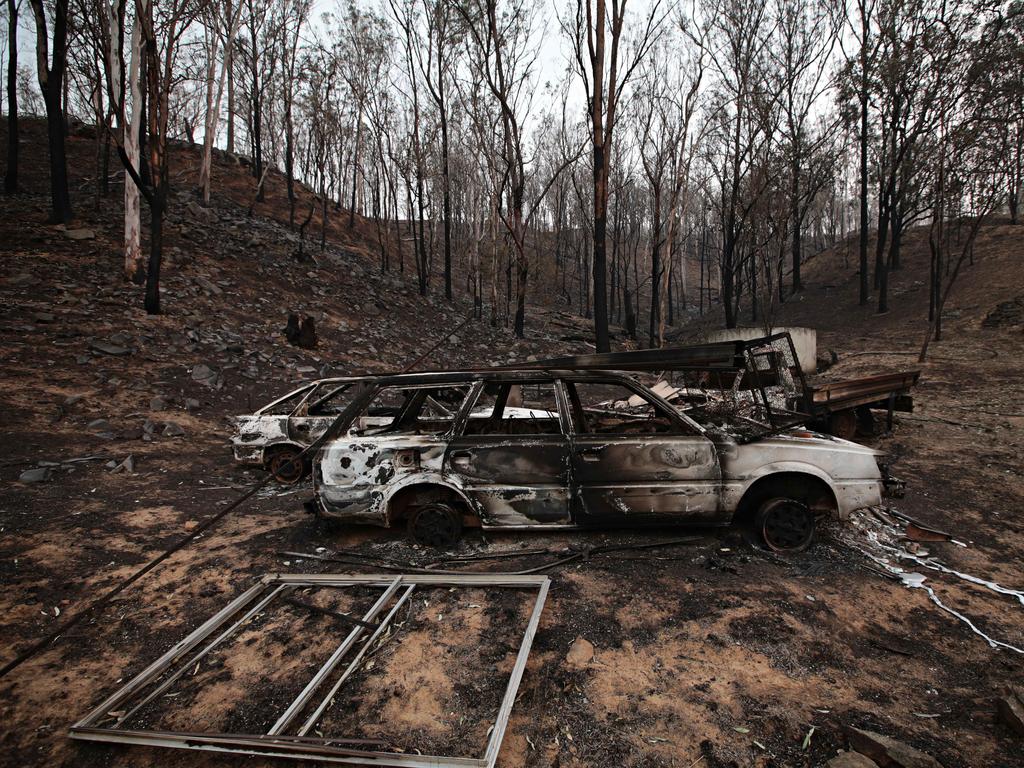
710, 653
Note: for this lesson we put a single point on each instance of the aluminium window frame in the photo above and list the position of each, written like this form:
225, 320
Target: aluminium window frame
300, 746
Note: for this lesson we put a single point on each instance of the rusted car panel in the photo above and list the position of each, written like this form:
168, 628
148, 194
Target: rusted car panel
468, 442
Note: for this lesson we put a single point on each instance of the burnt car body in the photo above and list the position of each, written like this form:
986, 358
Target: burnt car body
274, 436
572, 449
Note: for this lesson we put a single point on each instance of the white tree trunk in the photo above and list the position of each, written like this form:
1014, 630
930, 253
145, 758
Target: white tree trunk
213, 102
134, 266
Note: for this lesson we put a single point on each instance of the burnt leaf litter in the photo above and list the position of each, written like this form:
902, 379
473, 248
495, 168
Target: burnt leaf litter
711, 653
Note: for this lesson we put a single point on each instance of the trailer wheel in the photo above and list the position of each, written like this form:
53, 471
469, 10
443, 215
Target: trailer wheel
435, 524
843, 424
785, 524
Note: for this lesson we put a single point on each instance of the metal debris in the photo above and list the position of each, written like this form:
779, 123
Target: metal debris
885, 540
290, 737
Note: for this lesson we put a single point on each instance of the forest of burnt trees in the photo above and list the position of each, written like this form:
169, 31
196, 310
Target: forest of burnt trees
645, 161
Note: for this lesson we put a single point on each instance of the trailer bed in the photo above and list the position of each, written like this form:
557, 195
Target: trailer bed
840, 405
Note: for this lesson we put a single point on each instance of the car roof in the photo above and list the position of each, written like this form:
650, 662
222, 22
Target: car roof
503, 374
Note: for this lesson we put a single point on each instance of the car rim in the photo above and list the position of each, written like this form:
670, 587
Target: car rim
434, 526
787, 525
286, 467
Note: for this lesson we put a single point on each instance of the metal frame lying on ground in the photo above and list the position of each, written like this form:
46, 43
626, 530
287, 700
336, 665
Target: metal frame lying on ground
287, 738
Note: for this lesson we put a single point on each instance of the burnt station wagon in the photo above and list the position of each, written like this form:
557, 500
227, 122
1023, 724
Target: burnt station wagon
274, 436
546, 449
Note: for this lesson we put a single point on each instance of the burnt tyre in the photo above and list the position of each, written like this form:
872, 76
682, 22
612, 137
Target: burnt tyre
785, 525
435, 524
286, 466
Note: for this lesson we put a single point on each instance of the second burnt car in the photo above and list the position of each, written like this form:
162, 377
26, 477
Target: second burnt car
547, 449
274, 436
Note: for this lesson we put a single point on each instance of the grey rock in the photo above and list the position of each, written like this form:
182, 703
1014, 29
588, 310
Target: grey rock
1010, 709
157, 404
173, 430
79, 234
99, 425
888, 752
208, 285
35, 475
192, 404
149, 427
72, 399
127, 466
108, 348
205, 375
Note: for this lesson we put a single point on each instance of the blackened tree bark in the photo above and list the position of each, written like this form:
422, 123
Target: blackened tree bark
11, 179
587, 28
864, 86
51, 69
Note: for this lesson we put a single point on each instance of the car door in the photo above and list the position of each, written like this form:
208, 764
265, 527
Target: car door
318, 410
512, 453
635, 460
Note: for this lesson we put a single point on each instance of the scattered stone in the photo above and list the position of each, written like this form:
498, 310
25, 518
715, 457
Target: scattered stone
205, 375
190, 525
35, 475
173, 430
100, 425
157, 404
127, 466
887, 752
72, 400
208, 285
851, 760
108, 348
134, 433
580, 654
1005, 313
79, 234
191, 404
1010, 709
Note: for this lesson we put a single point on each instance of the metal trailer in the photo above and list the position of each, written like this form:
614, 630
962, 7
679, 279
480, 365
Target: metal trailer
838, 408
841, 407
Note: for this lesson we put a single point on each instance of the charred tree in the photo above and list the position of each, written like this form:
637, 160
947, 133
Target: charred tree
50, 69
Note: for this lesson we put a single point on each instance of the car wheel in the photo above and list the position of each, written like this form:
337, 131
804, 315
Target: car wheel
435, 524
785, 525
286, 466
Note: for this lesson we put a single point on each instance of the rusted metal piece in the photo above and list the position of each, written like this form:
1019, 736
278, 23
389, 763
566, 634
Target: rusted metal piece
916, 532
162, 673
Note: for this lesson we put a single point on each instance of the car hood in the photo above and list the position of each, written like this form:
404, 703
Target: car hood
816, 441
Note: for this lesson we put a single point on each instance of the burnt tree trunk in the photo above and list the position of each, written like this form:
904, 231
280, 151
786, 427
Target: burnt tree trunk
51, 70
11, 179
